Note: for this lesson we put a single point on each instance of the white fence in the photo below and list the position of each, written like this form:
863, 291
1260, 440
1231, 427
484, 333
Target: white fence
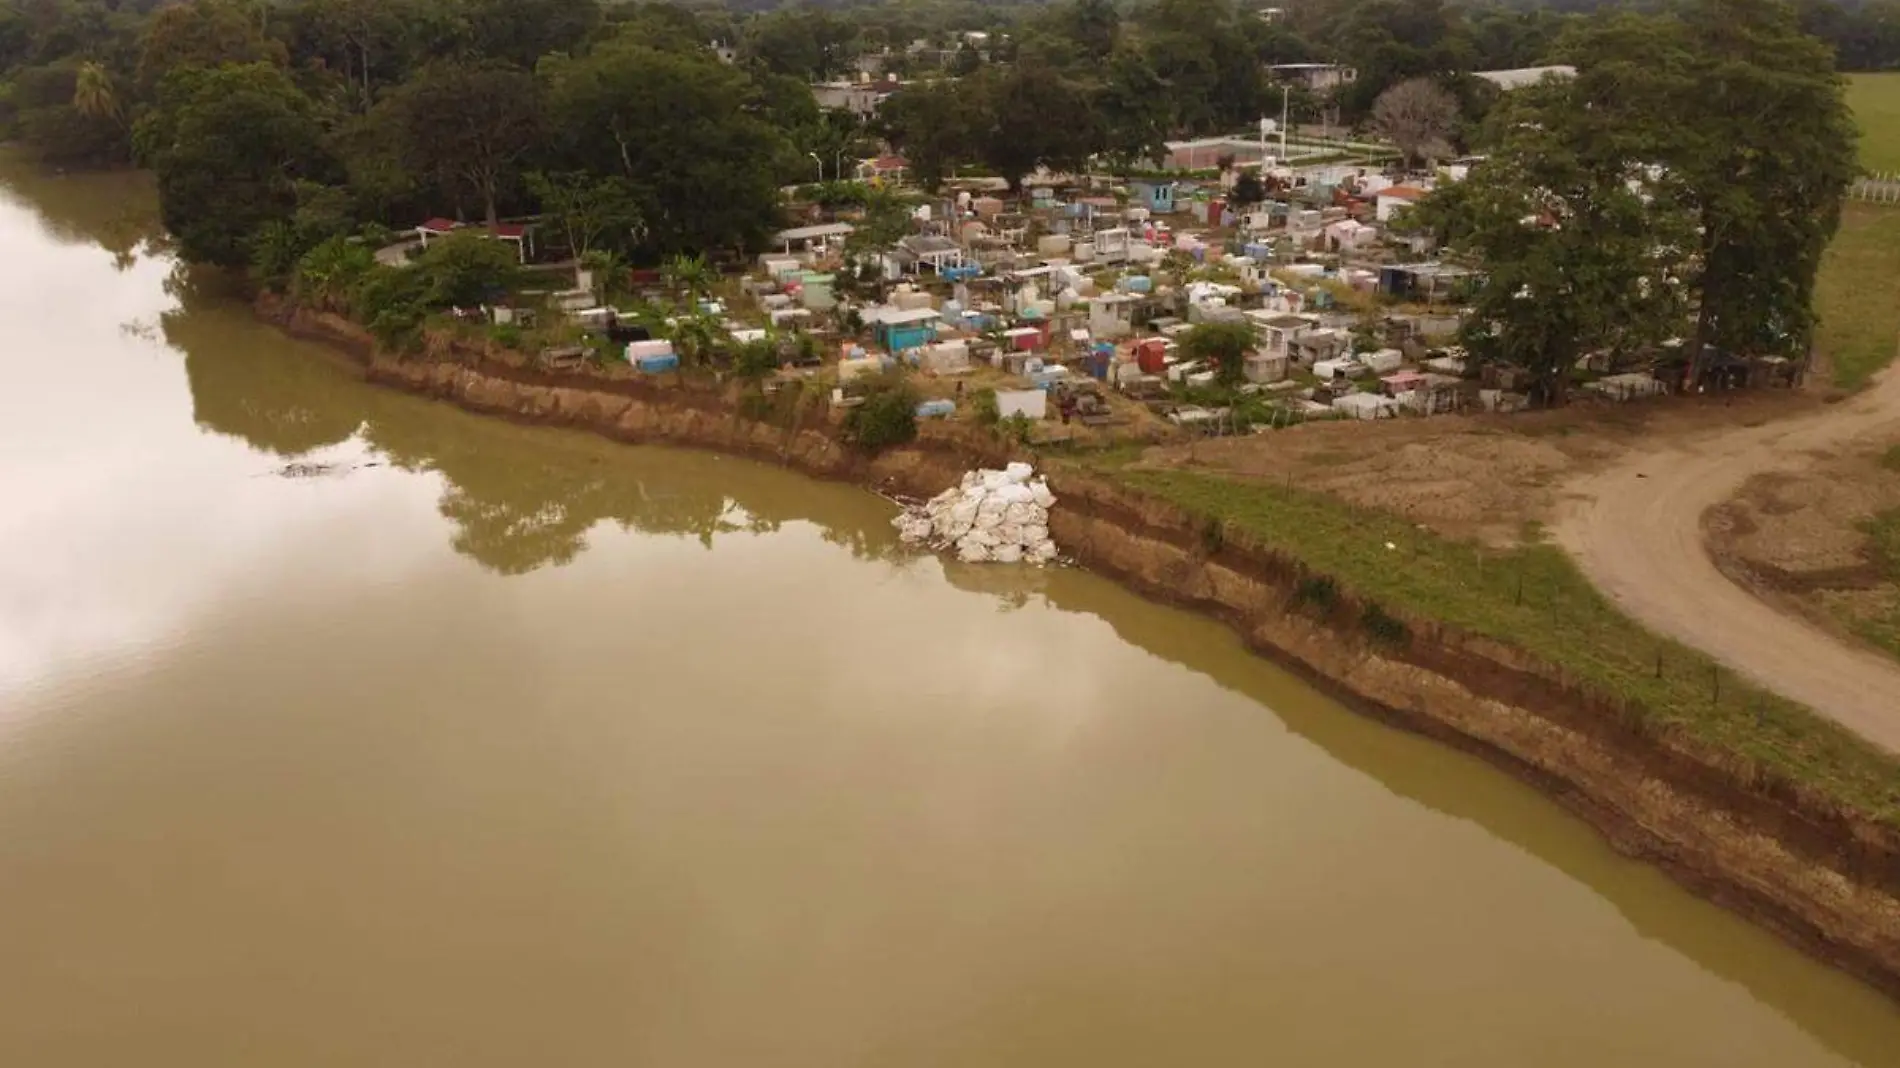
1880, 187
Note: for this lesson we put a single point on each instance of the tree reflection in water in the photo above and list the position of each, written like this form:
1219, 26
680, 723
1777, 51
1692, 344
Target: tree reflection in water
519, 498
115, 210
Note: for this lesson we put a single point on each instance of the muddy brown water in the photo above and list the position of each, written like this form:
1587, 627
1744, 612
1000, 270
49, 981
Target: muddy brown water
342, 728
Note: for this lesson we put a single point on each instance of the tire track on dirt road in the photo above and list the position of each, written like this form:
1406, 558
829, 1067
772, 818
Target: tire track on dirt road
1636, 530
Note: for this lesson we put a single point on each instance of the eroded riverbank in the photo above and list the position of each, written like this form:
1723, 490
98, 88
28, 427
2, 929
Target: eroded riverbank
1828, 882
338, 725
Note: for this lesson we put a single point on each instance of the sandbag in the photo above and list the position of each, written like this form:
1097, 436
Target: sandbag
1015, 493
989, 516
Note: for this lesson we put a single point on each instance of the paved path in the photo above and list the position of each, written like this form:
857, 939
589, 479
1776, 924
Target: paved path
1636, 529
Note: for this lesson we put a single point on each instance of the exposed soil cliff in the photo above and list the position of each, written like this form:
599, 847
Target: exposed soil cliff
1825, 880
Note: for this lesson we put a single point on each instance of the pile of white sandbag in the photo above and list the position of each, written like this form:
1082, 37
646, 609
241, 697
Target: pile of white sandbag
993, 515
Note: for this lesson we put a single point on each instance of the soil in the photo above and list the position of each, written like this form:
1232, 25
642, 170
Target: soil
1798, 541
1493, 478
1635, 525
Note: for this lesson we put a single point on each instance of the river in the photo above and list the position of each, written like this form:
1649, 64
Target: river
338, 727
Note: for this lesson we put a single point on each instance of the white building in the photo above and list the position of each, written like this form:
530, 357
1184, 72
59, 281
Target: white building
1317, 77
1520, 77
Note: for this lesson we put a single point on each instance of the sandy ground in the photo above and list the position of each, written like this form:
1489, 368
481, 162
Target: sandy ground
1497, 479
1798, 541
1635, 525
1625, 489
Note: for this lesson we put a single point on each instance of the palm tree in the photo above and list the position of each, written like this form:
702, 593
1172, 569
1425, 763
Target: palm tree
609, 271
691, 274
694, 337
93, 95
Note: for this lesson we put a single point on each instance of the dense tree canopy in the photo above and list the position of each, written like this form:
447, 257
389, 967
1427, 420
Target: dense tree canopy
1683, 184
228, 145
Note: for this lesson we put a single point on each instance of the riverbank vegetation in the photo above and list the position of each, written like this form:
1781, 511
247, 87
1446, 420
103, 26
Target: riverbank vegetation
1534, 599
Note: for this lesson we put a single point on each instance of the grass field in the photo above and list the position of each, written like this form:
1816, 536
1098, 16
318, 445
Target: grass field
1535, 599
1858, 293
1875, 100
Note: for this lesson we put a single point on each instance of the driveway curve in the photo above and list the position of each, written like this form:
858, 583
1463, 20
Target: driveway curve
1636, 530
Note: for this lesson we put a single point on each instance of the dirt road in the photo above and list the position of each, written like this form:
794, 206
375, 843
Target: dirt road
1635, 528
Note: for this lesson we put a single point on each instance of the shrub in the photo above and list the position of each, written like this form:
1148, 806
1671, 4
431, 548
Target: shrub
755, 359
1383, 626
1319, 591
328, 274
392, 302
1213, 536
1017, 428
886, 417
983, 405
468, 268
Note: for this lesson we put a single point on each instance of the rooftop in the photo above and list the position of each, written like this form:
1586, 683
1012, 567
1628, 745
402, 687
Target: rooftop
1519, 77
810, 233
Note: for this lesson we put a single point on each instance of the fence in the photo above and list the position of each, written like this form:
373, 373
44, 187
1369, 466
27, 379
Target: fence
1880, 187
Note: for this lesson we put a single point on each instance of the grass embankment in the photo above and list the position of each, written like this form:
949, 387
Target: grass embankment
1877, 618
1857, 294
1535, 599
1875, 101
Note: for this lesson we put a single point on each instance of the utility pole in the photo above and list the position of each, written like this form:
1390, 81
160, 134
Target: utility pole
1284, 91
821, 166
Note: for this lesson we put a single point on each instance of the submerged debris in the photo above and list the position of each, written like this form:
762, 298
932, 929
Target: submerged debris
1000, 516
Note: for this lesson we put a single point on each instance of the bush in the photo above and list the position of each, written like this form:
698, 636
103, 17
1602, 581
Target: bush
468, 268
983, 405
1017, 428
328, 274
886, 417
1383, 626
755, 359
392, 302
1320, 591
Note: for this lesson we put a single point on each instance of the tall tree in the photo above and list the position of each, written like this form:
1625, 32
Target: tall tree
586, 208
204, 33
1417, 116
468, 125
1583, 244
1769, 153
94, 95
228, 146
931, 123
1033, 117
677, 125
520, 32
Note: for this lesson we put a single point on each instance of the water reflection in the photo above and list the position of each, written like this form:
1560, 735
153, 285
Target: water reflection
520, 499
117, 211
1849, 1017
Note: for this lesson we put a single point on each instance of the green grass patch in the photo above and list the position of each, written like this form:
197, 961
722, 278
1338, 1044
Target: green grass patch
1875, 614
1535, 599
1875, 102
1858, 293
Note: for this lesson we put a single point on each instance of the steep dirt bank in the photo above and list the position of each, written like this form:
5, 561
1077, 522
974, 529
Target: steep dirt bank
1826, 881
